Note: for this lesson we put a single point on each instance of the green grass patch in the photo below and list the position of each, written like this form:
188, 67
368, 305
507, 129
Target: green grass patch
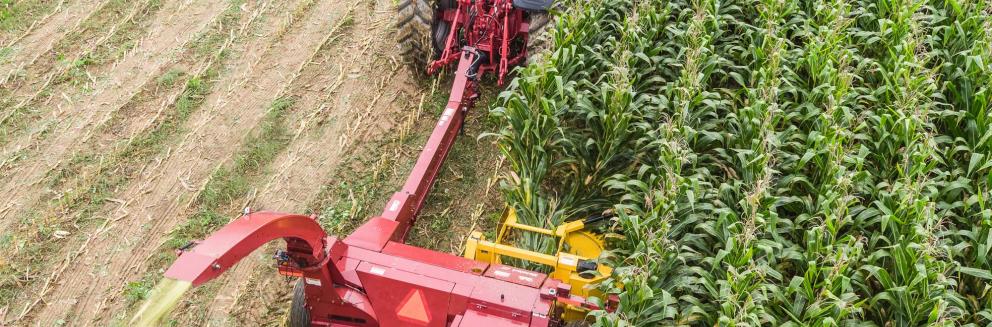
137, 291
16, 16
170, 77
5, 53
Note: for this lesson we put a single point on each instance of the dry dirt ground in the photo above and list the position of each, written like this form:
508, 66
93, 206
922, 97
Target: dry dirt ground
128, 128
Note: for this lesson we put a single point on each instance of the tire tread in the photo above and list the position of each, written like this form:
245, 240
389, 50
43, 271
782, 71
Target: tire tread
413, 30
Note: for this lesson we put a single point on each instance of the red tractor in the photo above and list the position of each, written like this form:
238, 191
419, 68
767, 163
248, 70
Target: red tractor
431, 35
371, 278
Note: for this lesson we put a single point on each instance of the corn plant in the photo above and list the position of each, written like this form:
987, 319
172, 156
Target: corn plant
768, 162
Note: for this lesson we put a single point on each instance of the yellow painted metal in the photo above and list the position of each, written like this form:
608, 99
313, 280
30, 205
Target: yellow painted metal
584, 244
574, 244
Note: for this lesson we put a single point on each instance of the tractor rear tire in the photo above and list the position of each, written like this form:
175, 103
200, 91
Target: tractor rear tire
538, 39
299, 316
416, 29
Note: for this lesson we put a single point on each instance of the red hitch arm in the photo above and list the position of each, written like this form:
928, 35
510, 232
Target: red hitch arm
227, 246
404, 205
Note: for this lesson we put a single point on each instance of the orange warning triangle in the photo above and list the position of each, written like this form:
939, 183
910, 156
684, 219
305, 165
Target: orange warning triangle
414, 307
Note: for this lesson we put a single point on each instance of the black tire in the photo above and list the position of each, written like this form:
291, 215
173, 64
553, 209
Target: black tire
420, 37
299, 315
538, 40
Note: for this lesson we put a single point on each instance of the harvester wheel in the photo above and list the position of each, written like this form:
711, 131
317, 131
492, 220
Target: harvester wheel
299, 316
421, 38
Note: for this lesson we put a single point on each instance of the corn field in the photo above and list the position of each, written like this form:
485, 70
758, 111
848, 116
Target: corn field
766, 162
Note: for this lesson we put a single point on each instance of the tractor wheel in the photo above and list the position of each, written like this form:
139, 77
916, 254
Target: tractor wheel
421, 38
299, 316
538, 39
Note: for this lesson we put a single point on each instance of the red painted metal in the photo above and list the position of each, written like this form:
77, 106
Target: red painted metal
406, 204
516, 275
435, 258
494, 27
374, 234
227, 246
371, 278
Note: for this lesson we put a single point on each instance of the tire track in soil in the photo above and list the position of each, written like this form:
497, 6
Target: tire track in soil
39, 40
77, 118
158, 201
352, 95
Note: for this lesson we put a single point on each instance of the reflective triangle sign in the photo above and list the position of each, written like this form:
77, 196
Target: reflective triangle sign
414, 308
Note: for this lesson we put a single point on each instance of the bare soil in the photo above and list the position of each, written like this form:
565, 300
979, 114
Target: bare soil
41, 36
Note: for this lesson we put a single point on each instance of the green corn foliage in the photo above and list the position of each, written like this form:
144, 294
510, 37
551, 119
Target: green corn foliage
767, 162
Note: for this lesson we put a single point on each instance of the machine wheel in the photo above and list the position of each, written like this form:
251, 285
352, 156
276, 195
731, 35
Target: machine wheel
539, 40
421, 37
299, 316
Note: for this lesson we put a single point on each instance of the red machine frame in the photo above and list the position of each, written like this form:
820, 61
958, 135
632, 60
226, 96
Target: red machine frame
481, 21
371, 278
